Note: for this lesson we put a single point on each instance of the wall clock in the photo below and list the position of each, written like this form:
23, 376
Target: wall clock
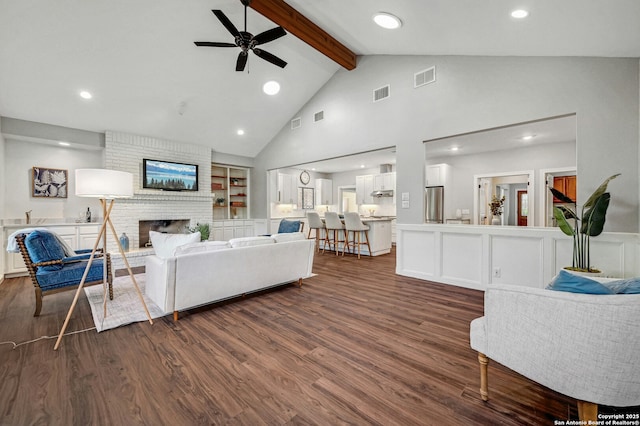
304, 177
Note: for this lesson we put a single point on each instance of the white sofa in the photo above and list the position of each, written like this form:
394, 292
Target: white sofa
584, 346
204, 273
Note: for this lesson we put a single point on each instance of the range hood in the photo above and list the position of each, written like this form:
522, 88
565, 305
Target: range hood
382, 193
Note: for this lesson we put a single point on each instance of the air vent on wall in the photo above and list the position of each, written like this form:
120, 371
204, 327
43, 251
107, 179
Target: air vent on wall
424, 77
296, 122
381, 93
318, 116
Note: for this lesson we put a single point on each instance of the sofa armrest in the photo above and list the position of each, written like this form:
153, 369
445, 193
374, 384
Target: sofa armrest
581, 345
161, 281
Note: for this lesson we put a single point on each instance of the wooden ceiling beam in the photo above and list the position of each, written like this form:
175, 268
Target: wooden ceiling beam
300, 26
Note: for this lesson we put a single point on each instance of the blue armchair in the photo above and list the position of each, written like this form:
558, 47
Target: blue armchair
287, 226
53, 269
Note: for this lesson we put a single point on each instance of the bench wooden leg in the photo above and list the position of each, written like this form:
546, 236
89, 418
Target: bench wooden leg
300, 282
175, 315
587, 411
484, 380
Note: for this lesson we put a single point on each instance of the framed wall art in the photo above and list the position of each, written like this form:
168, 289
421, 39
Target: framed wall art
49, 183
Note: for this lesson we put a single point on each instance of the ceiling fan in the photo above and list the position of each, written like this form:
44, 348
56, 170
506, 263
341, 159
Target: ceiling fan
247, 41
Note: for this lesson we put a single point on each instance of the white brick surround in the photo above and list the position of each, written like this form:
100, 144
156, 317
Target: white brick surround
125, 152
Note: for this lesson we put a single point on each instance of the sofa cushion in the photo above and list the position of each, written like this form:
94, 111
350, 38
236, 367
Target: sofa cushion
291, 236
43, 246
201, 247
572, 283
250, 241
165, 245
626, 286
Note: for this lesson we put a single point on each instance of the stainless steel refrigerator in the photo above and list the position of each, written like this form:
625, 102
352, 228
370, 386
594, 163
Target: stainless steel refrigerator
434, 204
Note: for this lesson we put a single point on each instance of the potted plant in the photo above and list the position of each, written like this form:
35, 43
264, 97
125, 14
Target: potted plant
220, 201
496, 209
203, 228
589, 224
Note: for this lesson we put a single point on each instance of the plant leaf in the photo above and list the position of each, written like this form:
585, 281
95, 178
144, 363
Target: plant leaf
567, 212
594, 218
564, 225
598, 192
560, 196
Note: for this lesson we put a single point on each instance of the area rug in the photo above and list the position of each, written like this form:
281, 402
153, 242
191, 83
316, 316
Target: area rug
125, 308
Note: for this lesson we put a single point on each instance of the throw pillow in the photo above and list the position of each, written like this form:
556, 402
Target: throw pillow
572, 283
292, 236
43, 246
201, 247
250, 241
626, 286
165, 244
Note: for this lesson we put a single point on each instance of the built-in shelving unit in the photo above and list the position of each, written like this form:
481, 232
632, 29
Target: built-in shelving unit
230, 192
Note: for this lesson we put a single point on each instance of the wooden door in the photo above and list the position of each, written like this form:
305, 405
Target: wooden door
523, 208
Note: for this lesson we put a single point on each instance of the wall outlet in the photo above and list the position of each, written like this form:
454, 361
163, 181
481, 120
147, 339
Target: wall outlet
497, 272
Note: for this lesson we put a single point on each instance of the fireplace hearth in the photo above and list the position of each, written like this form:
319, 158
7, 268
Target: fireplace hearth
167, 226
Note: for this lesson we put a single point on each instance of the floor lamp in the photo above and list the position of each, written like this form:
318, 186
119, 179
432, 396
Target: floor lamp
107, 185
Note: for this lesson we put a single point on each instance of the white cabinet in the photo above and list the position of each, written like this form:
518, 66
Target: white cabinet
324, 192
364, 188
224, 230
77, 236
437, 174
287, 189
384, 182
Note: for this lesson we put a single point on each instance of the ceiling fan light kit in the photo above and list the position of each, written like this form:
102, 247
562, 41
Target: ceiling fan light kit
247, 41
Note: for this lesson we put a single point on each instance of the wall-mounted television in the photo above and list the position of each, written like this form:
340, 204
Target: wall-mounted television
169, 176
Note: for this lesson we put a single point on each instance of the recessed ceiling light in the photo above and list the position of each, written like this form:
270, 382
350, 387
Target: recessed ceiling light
519, 13
528, 137
64, 143
271, 88
387, 20
85, 95
240, 132
454, 148
313, 169
362, 166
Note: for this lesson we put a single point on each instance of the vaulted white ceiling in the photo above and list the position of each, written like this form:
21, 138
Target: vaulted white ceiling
138, 58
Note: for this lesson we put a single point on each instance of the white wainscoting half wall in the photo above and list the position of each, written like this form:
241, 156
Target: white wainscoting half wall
475, 256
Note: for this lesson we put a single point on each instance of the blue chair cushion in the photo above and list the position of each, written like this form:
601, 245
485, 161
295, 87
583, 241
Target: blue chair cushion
566, 281
288, 226
43, 246
71, 274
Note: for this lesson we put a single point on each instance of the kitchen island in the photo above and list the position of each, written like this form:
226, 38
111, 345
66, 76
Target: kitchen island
379, 236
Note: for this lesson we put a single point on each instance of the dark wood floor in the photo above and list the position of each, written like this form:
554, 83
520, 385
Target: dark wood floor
356, 344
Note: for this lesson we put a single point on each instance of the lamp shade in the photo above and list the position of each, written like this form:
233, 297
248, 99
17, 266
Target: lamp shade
103, 183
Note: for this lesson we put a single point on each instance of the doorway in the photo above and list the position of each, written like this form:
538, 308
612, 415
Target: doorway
506, 184
523, 208
347, 196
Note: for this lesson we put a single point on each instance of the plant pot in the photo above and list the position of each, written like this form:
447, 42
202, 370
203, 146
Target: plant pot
589, 274
495, 220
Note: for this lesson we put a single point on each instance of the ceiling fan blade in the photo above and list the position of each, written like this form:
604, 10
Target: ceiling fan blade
242, 61
213, 44
269, 35
226, 22
270, 58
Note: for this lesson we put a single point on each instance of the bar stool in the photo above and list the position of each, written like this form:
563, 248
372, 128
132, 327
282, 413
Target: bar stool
353, 224
316, 223
333, 223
